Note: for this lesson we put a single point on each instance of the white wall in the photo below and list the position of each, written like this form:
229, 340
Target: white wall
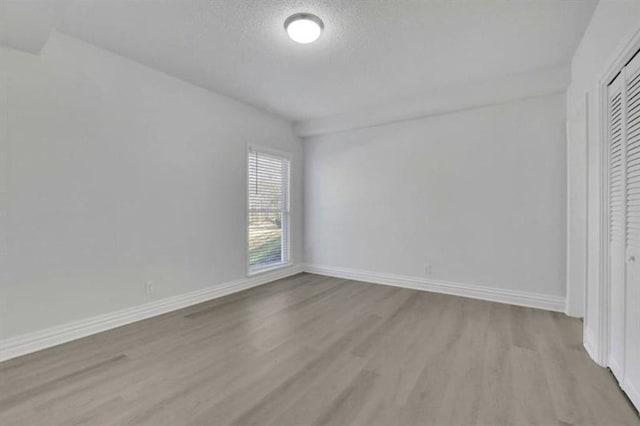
114, 174
612, 26
478, 194
577, 134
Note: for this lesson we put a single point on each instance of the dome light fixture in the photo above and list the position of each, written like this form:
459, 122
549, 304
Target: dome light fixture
303, 28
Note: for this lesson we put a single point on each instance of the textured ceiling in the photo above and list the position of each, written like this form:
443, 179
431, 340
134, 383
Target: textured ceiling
371, 52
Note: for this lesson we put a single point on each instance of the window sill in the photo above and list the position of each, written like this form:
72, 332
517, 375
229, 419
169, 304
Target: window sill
268, 268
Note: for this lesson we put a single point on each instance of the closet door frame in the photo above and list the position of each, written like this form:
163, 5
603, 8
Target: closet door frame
601, 353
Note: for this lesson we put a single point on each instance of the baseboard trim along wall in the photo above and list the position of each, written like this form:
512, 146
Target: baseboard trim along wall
520, 298
589, 343
633, 393
32, 342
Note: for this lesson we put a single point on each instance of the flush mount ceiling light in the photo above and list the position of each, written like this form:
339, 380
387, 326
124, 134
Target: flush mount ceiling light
304, 27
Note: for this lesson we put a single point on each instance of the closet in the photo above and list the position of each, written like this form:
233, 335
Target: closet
624, 227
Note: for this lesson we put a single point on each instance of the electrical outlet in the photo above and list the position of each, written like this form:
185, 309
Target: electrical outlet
149, 288
427, 269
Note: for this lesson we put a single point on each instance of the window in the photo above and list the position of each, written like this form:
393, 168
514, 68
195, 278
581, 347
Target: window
268, 213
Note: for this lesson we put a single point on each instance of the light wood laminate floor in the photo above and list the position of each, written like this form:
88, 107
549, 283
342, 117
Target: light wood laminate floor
312, 350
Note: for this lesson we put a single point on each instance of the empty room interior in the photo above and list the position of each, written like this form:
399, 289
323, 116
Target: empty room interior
319, 212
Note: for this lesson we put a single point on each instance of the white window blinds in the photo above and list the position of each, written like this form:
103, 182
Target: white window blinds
268, 215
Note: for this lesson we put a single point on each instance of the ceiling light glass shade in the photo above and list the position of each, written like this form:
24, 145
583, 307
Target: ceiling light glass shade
304, 27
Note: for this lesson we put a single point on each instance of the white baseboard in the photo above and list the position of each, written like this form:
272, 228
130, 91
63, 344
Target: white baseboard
616, 369
589, 343
634, 394
32, 342
520, 298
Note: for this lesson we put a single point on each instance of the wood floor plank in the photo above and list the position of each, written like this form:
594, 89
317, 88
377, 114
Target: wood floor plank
315, 400
314, 350
349, 403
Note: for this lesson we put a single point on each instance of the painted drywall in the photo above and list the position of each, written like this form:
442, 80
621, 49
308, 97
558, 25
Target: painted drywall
115, 174
613, 24
478, 195
27, 25
445, 99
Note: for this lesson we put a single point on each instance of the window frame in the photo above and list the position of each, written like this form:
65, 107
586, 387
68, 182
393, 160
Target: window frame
286, 213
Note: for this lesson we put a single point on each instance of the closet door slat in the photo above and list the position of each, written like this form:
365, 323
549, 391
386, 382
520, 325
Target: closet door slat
632, 159
616, 164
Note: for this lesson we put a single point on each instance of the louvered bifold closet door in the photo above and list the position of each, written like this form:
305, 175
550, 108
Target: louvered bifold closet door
632, 231
616, 125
